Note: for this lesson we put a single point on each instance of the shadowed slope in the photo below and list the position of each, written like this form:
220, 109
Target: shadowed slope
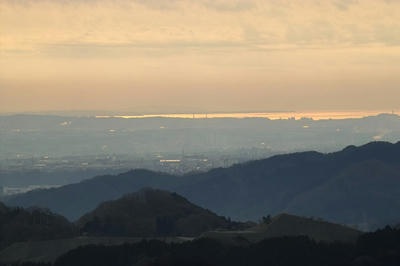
150, 213
291, 225
17, 224
286, 225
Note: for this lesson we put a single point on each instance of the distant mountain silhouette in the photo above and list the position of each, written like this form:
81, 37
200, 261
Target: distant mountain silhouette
366, 192
17, 224
358, 186
150, 213
293, 183
75, 200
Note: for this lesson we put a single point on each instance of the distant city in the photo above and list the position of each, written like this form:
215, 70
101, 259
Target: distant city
80, 167
42, 151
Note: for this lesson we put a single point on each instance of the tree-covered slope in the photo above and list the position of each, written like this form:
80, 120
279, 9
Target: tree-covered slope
150, 213
17, 224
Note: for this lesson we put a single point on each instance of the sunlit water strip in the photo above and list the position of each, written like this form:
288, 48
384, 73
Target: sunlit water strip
272, 116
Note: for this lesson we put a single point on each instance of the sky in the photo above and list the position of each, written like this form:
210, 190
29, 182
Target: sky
199, 55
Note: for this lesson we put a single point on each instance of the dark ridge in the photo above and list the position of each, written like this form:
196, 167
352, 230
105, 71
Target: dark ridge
287, 225
378, 248
33, 224
150, 213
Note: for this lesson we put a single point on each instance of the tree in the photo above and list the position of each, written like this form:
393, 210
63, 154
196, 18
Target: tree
267, 219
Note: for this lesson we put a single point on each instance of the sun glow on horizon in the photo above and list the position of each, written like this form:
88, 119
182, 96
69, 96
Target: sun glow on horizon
271, 115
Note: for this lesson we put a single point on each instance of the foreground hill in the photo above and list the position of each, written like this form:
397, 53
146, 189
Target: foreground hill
381, 248
282, 225
352, 186
18, 225
287, 225
290, 225
150, 213
47, 251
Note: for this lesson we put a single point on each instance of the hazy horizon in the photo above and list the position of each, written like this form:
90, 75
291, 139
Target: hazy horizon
272, 115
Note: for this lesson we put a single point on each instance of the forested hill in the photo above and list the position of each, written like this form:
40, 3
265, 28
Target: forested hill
17, 224
150, 213
357, 186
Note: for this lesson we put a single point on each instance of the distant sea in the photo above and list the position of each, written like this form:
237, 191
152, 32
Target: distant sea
271, 115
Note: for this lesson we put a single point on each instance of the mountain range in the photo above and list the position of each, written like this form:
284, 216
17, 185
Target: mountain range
147, 215
358, 186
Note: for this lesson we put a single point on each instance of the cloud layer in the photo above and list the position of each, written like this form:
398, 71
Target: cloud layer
226, 48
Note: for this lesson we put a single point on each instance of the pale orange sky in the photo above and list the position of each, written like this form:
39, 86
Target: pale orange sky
199, 55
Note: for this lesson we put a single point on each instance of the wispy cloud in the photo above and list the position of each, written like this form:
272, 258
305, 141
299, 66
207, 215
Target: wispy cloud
140, 48
344, 5
31, 24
